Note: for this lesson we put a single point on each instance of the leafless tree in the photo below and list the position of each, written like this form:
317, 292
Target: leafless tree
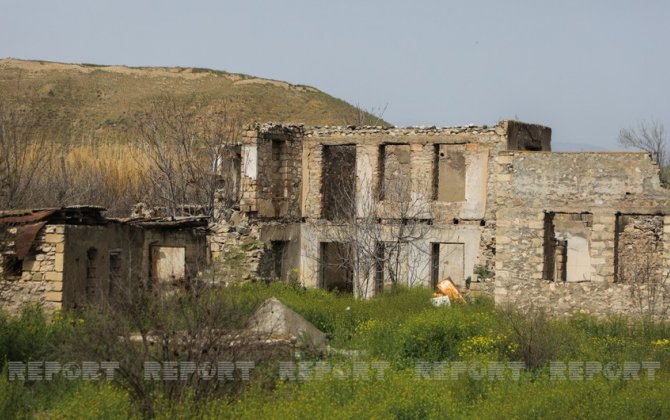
21, 151
372, 116
196, 328
642, 267
380, 232
648, 137
187, 152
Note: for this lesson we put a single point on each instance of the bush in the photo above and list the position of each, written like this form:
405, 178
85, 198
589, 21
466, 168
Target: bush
29, 335
399, 326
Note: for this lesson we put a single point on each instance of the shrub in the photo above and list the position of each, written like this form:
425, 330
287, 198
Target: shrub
538, 340
27, 336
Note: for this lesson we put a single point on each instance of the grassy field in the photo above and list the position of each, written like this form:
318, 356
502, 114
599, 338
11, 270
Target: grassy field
414, 343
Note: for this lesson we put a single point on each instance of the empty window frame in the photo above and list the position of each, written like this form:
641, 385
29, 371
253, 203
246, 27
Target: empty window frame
336, 270
567, 243
339, 182
449, 172
394, 172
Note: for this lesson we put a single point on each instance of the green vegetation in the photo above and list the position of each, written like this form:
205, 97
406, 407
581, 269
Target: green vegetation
400, 328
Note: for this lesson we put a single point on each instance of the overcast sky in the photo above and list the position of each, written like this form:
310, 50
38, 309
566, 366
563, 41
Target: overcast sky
584, 68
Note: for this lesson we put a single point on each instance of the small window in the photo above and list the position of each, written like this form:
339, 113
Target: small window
276, 149
11, 266
91, 273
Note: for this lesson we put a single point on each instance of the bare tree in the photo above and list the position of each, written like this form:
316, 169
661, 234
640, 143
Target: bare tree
380, 229
641, 265
648, 137
373, 116
21, 152
195, 329
186, 151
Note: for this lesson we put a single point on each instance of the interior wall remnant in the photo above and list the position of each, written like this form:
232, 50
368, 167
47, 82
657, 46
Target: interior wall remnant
273, 264
339, 182
395, 172
336, 271
532, 137
567, 247
391, 264
450, 185
549, 248
168, 263
448, 260
638, 248
561, 258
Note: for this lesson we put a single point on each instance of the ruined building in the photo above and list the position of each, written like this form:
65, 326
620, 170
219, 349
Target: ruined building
74, 256
359, 209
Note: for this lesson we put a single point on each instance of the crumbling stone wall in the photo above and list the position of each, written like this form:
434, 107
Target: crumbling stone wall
639, 248
235, 247
533, 137
271, 171
41, 280
398, 175
587, 188
594, 298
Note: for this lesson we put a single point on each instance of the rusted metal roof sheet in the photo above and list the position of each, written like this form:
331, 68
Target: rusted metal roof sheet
71, 215
34, 216
25, 235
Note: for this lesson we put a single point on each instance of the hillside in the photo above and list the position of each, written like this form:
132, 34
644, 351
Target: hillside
97, 102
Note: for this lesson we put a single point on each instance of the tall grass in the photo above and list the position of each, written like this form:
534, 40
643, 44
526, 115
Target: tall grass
399, 327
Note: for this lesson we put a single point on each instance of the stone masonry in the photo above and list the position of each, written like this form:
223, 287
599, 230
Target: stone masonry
360, 208
41, 280
424, 195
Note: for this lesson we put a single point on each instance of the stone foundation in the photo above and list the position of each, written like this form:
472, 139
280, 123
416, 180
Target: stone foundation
593, 298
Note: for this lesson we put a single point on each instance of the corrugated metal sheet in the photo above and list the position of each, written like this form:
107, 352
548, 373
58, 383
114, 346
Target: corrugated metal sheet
35, 216
25, 235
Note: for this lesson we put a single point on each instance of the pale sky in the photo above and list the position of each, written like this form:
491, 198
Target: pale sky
584, 68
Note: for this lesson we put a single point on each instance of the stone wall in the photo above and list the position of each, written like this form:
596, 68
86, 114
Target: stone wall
543, 198
594, 298
271, 172
89, 266
42, 278
399, 175
235, 248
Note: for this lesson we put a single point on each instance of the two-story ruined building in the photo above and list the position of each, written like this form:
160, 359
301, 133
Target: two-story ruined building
358, 209
361, 209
